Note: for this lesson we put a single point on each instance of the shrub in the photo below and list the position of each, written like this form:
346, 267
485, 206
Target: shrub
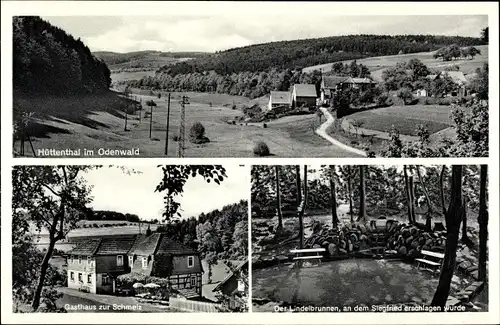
264, 125
95, 225
261, 149
382, 99
197, 131
175, 138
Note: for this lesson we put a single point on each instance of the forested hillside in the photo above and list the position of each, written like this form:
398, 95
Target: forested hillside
253, 71
144, 59
47, 60
218, 234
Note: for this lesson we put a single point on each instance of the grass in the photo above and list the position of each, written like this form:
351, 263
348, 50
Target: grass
119, 76
90, 123
405, 118
380, 63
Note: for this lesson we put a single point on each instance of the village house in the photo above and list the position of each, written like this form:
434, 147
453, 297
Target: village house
304, 95
332, 84
94, 264
280, 99
458, 78
157, 255
234, 284
329, 85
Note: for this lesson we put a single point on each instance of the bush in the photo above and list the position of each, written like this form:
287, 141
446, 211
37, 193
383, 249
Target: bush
261, 149
175, 138
197, 131
382, 99
95, 225
264, 125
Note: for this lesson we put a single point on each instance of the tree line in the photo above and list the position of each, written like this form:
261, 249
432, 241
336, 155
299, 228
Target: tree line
47, 60
297, 54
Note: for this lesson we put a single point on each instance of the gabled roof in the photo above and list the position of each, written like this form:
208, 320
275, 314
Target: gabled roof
332, 81
111, 245
431, 76
359, 80
305, 90
457, 76
230, 275
161, 244
281, 97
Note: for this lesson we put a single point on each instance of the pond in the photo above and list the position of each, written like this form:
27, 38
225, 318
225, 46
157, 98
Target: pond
347, 283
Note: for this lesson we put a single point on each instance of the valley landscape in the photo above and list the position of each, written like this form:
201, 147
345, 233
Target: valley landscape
229, 94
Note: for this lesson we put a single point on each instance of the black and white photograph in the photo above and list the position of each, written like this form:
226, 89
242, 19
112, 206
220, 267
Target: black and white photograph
231, 82
89, 238
378, 238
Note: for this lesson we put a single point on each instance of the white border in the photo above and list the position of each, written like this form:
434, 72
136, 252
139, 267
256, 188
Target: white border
65, 8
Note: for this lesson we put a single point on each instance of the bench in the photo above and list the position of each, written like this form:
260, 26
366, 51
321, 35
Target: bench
315, 254
431, 260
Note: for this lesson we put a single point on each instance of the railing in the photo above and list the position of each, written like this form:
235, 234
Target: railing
192, 305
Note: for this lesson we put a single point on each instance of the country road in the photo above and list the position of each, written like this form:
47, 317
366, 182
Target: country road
321, 131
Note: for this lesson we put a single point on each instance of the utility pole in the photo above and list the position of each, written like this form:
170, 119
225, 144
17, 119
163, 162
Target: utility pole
182, 128
151, 121
168, 122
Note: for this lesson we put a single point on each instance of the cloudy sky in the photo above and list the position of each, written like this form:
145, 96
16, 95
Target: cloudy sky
223, 29
113, 190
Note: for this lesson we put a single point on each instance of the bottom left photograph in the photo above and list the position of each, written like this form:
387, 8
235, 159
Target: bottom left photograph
170, 238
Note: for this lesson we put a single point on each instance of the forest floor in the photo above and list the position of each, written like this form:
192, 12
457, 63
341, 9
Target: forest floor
64, 124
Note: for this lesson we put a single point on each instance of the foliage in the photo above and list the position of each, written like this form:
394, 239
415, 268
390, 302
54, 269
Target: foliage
480, 82
197, 131
151, 103
485, 35
176, 176
49, 61
227, 224
261, 149
405, 94
350, 70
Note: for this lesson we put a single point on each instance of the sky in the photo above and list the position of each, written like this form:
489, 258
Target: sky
116, 191
222, 29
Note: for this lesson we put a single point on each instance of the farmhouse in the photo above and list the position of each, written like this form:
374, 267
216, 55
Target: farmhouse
304, 95
358, 83
458, 78
157, 255
94, 264
280, 99
234, 284
329, 85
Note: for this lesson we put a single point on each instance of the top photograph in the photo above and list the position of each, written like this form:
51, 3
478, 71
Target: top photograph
236, 84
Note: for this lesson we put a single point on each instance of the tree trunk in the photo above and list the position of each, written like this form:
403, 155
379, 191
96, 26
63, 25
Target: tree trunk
483, 225
362, 204
465, 237
349, 190
430, 208
299, 207
151, 122
43, 271
333, 197
407, 191
441, 186
412, 199
453, 218
278, 201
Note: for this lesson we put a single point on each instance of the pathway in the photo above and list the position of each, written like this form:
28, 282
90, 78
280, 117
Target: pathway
321, 131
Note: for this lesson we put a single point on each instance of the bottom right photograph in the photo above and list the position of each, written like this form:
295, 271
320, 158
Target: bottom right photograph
369, 238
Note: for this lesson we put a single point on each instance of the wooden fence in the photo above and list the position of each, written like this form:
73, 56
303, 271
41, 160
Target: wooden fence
192, 305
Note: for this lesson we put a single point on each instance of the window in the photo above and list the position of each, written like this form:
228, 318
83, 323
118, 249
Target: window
72, 276
80, 277
119, 260
144, 262
79, 260
89, 278
193, 281
190, 261
106, 280
71, 259
131, 260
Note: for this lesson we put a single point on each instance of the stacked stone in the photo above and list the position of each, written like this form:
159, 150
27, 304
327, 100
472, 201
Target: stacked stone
408, 240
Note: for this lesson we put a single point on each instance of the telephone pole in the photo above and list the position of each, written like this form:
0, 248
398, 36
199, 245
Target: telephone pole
182, 128
168, 122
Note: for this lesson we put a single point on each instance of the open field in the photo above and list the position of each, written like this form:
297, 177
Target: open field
65, 125
380, 63
119, 76
405, 118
